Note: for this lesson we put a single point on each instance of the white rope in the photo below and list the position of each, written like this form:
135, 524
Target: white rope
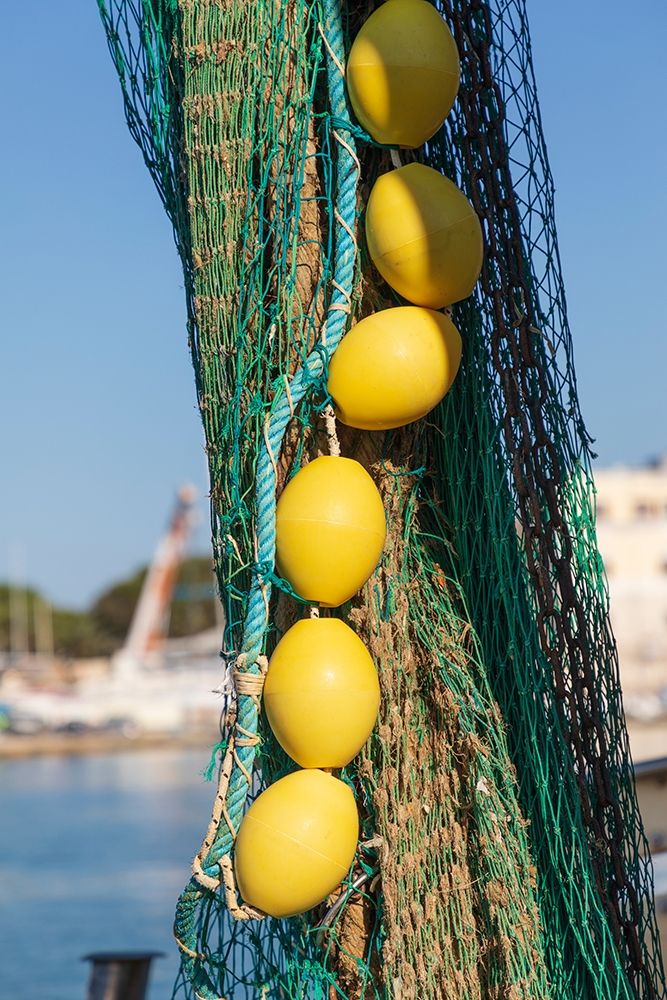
329, 417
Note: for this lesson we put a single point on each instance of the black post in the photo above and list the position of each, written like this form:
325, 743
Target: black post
119, 975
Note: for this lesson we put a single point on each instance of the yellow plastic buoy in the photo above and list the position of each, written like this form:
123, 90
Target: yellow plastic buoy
424, 236
330, 530
393, 367
321, 693
296, 843
403, 73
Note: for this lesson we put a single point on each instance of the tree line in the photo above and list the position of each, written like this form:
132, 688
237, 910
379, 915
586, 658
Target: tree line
100, 629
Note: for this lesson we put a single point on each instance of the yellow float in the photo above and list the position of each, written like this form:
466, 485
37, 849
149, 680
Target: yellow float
296, 843
424, 236
393, 367
403, 73
322, 693
330, 530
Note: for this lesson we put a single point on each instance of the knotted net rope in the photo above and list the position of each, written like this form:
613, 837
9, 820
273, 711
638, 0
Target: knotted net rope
501, 854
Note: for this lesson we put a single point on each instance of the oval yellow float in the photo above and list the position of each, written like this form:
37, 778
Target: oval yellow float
403, 73
330, 530
322, 693
393, 367
424, 236
296, 843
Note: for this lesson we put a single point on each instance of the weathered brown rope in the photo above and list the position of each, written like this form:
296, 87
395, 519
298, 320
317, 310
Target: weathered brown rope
252, 685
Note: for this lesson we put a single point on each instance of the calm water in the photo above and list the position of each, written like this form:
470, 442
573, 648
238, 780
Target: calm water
93, 853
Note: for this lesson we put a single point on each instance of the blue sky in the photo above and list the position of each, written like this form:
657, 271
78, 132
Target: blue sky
97, 405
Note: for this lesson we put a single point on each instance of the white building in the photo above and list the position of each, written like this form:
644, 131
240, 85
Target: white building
632, 533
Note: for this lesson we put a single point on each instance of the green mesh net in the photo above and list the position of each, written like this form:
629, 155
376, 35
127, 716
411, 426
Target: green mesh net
501, 853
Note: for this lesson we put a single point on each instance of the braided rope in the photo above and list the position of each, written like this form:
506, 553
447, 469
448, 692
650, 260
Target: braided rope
329, 418
213, 862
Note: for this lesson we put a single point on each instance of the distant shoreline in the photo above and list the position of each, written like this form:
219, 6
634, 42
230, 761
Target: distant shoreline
79, 744
648, 741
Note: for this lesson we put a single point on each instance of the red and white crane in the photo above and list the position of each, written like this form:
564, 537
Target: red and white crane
150, 621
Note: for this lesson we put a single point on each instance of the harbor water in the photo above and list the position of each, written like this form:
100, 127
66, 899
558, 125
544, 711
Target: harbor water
93, 853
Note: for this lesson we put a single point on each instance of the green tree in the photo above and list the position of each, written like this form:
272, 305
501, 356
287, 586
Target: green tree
75, 633
102, 629
192, 610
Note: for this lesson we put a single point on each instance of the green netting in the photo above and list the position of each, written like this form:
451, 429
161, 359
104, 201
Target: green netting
502, 854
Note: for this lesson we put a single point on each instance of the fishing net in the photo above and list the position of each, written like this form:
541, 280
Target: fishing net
502, 853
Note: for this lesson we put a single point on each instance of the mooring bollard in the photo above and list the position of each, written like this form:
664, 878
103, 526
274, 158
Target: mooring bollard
119, 975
